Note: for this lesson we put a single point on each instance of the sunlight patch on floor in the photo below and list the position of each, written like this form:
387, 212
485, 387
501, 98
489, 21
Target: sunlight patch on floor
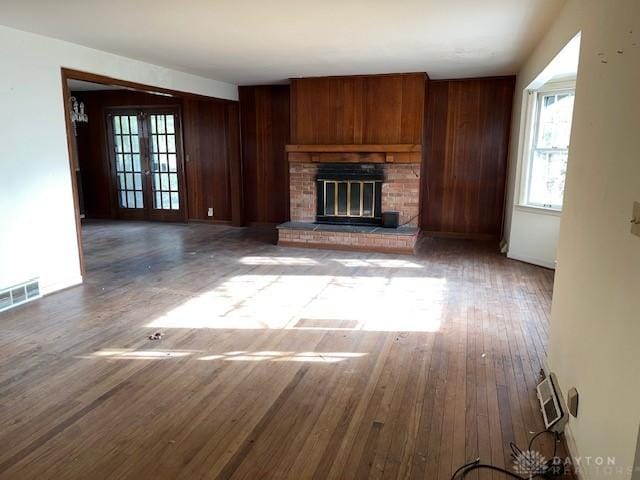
369, 303
269, 260
237, 356
130, 354
377, 263
345, 262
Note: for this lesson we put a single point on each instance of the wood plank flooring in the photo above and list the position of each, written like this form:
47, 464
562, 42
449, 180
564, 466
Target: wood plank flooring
275, 362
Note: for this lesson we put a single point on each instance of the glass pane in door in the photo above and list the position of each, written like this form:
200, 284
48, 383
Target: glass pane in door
164, 166
126, 144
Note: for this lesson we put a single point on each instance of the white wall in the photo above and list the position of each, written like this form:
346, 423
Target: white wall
534, 236
37, 225
595, 322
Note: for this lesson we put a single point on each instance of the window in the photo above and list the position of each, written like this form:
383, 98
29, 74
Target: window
547, 163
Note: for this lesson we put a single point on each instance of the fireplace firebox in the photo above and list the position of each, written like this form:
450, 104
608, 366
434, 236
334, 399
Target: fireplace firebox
349, 193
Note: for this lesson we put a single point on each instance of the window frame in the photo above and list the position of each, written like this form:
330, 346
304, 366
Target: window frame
535, 107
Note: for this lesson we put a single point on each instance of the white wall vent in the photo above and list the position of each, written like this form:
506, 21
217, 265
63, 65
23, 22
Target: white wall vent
19, 294
554, 410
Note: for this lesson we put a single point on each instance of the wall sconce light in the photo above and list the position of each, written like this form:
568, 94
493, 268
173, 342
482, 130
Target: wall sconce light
77, 111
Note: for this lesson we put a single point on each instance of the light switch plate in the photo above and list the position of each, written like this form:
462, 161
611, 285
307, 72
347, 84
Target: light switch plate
635, 222
210, 212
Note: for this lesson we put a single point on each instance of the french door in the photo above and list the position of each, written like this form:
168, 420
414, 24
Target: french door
146, 155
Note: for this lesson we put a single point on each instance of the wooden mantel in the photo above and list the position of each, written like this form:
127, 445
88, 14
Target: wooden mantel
355, 153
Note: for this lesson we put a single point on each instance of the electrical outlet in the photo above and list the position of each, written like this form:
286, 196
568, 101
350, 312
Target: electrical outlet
210, 212
635, 219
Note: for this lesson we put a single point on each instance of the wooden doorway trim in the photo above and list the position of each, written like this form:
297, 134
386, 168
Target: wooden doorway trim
70, 74
73, 162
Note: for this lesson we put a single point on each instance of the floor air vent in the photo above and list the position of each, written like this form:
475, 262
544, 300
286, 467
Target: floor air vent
19, 294
554, 410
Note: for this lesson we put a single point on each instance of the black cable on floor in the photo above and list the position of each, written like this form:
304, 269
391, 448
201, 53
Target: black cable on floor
494, 468
556, 437
476, 461
476, 465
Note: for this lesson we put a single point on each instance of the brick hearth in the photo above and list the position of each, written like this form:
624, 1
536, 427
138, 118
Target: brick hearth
347, 237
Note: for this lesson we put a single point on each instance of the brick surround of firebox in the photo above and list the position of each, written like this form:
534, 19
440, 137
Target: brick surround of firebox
400, 193
302, 192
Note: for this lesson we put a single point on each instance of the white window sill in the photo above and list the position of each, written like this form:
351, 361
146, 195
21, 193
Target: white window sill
541, 210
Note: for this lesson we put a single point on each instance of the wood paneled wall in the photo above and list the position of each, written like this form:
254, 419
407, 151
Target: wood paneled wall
464, 170
372, 109
212, 159
464, 129
211, 149
265, 132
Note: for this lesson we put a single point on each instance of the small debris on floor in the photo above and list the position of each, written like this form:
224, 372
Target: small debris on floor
156, 336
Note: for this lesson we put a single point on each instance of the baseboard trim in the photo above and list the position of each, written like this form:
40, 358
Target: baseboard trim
210, 222
461, 236
262, 224
61, 285
570, 442
532, 260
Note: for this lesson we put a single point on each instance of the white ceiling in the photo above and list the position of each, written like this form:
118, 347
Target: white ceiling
265, 41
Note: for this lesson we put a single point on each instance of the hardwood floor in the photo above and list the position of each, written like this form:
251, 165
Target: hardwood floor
275, 362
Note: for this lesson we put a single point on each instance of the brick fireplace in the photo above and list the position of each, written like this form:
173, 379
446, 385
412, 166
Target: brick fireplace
400, 191
355, 154
354, 224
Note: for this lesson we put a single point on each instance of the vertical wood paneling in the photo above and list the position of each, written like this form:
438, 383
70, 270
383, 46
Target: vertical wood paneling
464, 172
211, 140
207, 159
374, 109
265, 132
94, 167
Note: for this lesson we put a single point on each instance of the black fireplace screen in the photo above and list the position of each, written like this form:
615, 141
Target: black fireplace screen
348, 193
